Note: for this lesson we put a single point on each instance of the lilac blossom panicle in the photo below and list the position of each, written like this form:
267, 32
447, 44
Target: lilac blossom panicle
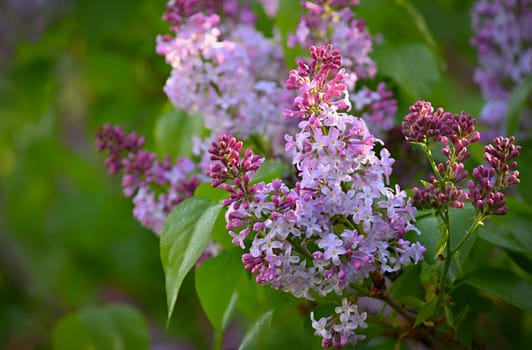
503, 38
339, 223
156, 187
425, 126
333, 21
223, 68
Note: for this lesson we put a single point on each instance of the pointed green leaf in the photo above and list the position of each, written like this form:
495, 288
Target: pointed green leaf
184, 237
461, 317
434, 241
174, 131
503, 284
220, 234
449, 317
511, 232
270, 170
216, 284
426, 311
419, 22
205, 190
258, 331
412, 66
288, 15
442, 241
407, 284
428, 226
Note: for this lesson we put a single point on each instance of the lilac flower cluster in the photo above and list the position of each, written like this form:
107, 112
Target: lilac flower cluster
340, 221
338, 329
485, 189
455, 133
377, 107
333, 21
155, 186
503, 38
228, 72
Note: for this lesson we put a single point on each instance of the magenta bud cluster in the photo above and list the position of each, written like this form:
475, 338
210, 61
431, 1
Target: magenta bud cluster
455, 133
232, 172
485, 189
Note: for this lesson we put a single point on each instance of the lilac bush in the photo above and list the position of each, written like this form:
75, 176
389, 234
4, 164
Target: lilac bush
332, 227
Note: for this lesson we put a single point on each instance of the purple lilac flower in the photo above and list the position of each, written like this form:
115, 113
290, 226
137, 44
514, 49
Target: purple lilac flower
485, 190
455, 133
340, 221
227, 71
156, 187
333, 21
378, 108
339, 329
503, 38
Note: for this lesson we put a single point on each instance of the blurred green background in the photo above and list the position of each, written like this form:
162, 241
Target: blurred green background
67, 236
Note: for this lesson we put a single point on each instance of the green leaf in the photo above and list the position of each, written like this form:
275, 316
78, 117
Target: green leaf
413, 67
430, 233
414, 302
205, 190
407, 284
461, 221
442, 241
467, 327
449, 317
511, 232
503, 284
521, 260
461, 317
216, 284
264, 23
111, 327
419, 22
258, 331
288, 15
431, 237
426, 311
397, 19
518, 101
220, 234
184, 237
270, 170
174, 131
